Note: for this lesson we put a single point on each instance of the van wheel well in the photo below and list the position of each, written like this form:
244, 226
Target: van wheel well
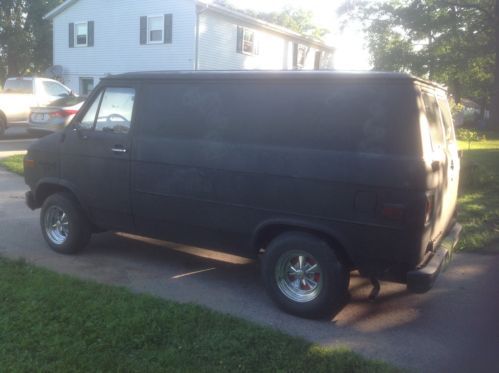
46, 190
267, 234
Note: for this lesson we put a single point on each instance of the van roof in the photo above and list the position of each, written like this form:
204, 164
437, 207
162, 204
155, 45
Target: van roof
266, 75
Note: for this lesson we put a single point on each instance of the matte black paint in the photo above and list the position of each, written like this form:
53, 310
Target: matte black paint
225, 187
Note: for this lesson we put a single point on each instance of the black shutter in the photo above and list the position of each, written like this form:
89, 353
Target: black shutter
240, 36
168, 28
143, 30
295, 55
91, 27
71, 35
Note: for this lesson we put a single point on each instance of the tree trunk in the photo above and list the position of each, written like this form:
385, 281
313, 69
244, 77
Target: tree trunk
482, 108
494, 102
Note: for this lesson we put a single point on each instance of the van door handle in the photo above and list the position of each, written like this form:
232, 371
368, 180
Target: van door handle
118, 149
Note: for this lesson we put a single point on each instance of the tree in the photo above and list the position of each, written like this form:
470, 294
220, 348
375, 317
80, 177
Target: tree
25, 37
454, 42
298, 20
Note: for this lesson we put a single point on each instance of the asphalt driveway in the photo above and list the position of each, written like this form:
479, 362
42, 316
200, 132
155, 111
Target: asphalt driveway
15, 141
453, 328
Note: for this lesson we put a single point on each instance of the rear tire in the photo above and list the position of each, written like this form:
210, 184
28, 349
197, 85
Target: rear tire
65, 226
303, 275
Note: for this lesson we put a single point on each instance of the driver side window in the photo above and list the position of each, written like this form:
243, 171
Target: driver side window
111, 111
116, 109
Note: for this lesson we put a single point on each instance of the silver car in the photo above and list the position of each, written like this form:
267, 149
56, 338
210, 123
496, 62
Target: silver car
55, 116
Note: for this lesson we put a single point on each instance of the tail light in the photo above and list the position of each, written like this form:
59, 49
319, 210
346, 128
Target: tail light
430, 204
393, 212
63, 113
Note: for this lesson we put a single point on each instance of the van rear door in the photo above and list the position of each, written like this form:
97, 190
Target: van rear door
441, 152
453, 162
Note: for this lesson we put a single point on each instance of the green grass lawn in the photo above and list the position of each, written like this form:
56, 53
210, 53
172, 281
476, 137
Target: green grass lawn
479, 196
14, 163
51, 322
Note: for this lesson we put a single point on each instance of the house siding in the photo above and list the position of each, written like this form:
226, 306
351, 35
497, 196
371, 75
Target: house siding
117, 38
218, 47
117, 47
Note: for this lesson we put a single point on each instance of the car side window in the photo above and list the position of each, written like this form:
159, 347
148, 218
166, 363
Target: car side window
88, 120
116, 110
54, 89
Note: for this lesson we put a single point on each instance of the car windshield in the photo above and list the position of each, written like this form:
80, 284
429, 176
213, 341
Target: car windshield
18, 86
67, 101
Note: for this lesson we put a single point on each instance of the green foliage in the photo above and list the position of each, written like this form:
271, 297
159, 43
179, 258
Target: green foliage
25, 38
13, 164
468, 135
298, 20
53, 323
451, 42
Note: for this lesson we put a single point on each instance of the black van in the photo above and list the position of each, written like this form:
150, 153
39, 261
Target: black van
319, 173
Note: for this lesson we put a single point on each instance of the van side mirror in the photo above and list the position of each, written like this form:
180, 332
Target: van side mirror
460, 153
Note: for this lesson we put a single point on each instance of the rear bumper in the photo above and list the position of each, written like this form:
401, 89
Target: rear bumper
421, 280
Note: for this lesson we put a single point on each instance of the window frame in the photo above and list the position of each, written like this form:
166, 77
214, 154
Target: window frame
81, 80
435, 145
162, 17
98, 94
443, 104
300, 64
76, 44
255, 50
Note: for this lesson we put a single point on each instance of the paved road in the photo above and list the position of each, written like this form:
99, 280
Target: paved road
453, 328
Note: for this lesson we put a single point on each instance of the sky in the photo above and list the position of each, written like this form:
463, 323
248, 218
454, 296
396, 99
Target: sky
351, 51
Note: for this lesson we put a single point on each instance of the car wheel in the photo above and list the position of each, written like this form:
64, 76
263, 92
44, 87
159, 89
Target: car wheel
304, 277
65, 226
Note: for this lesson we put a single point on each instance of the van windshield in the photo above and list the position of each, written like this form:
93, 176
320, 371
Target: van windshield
366, 117
18, 86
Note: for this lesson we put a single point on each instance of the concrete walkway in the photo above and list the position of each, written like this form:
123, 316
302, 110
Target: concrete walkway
453, 328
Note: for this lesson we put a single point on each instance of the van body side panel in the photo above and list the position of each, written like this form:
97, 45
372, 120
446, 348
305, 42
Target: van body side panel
213, 161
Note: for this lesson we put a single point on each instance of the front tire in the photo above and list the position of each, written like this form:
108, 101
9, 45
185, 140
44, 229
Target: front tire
65, 227
304, 277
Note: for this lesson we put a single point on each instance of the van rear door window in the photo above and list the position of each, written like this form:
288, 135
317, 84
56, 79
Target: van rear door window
434, 120
447, 120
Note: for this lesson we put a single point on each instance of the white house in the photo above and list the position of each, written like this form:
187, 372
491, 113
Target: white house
94, 38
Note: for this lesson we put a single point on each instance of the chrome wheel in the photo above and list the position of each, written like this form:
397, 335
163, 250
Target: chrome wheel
299, 276
56, 225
